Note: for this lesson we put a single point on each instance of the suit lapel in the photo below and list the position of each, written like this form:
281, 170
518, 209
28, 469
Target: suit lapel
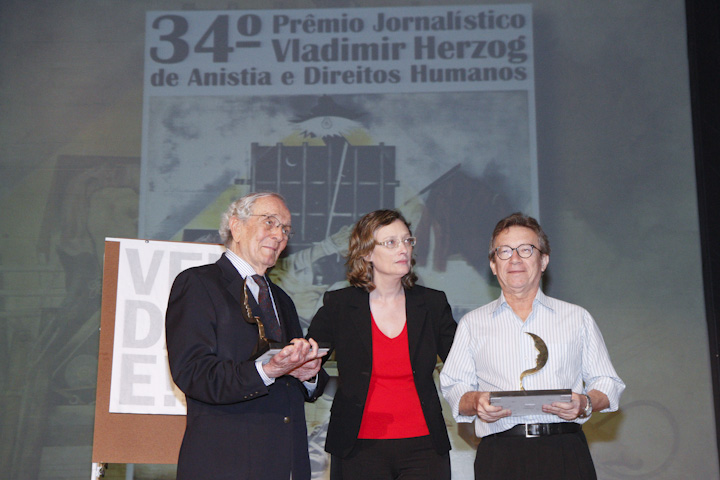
232, 277
359, 317
235, 285
416, 314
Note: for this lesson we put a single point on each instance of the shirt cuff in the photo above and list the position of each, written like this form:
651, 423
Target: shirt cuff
311, 385
612, 388
266, 380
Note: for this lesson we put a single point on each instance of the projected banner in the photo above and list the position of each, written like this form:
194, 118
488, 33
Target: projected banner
337, 51
427, 109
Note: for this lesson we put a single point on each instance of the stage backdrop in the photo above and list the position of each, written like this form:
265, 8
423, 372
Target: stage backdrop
144, 119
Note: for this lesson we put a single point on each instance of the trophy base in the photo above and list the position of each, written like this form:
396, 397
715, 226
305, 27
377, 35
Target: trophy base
267, 352
529, 402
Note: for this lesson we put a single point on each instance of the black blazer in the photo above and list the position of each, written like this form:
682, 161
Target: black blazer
344, 322
237, 428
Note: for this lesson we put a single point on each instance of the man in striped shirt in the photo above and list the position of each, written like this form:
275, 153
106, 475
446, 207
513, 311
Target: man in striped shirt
492, 347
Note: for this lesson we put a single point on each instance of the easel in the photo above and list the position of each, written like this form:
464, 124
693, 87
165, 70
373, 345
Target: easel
125, 438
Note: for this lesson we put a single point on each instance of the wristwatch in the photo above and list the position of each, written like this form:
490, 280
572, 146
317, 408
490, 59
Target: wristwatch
588, 407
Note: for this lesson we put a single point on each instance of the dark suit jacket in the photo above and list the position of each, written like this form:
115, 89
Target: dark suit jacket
237, 428
344, 321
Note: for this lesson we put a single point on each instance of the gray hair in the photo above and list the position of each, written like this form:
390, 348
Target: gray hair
241, 209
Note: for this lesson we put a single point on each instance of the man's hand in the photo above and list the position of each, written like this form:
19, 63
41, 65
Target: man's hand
478, 403
301, 359
572, 410
568, 411
307, 370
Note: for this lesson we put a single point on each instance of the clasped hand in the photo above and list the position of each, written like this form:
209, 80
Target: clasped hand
301, 359
566, 410
478, 403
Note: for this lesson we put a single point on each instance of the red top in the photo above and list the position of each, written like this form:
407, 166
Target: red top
392, 409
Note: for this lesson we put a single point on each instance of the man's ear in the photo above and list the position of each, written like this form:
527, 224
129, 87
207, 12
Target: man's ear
234, 225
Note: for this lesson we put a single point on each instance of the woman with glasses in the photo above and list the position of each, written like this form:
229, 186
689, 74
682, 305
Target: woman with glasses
387, 332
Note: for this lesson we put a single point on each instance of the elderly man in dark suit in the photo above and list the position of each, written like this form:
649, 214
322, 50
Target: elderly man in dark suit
245, 418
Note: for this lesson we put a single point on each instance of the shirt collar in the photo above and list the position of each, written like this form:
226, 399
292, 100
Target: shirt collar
540, 299
543, 300
243, 267
246, 271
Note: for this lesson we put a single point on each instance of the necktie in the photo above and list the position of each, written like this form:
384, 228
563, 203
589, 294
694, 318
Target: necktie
269, 320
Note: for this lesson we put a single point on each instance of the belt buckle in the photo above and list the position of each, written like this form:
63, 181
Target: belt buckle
527, 431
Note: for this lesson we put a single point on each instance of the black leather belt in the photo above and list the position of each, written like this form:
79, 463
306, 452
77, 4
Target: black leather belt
532, 430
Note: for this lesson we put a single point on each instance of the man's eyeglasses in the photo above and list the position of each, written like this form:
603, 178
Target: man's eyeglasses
394, 242
525, 250
271, 222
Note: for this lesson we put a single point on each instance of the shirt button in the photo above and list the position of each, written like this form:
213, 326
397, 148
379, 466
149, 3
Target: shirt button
286, 419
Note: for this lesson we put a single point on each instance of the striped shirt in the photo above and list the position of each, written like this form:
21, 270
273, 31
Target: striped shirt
491, 349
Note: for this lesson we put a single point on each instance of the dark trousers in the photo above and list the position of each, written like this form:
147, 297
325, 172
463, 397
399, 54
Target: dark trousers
395, 459
554, 457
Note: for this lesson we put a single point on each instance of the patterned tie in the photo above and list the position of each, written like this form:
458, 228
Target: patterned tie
272, 327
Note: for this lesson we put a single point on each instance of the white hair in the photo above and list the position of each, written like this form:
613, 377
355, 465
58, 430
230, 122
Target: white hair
241, 209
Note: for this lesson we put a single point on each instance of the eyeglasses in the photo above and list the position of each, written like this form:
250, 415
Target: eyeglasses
394, 242
271, 222
504, 252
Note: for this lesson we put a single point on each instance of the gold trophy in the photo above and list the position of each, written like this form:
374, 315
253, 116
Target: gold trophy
530, 402
540, 361
264, 345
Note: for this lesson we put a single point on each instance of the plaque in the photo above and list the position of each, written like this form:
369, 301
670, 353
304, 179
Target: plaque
529, 402
276, 347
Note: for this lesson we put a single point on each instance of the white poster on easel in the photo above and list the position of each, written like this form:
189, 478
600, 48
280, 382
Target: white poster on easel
140, 381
